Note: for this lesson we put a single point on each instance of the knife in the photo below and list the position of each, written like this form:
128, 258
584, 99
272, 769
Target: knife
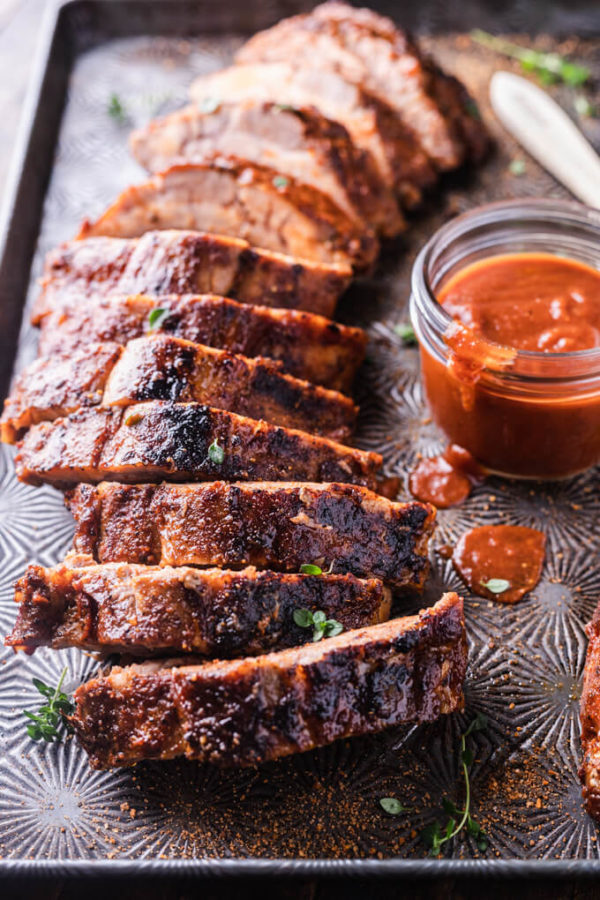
548, 134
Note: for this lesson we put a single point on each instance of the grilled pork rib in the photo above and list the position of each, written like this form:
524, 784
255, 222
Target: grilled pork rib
231, 196
159, 440
372, 124
589, 771
161, 263
249, 711
308, 346
300, 142
370, 51
342, 528
142, 610
160, 367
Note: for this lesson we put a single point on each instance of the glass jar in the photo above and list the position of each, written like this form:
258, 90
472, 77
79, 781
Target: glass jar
539, 415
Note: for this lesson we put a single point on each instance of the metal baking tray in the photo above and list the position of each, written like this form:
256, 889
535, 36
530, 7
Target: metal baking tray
318, 813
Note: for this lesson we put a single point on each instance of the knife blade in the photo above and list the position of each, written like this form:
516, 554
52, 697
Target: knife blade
548, 134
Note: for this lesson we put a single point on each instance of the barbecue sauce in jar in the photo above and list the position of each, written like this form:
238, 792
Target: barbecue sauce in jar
512, 388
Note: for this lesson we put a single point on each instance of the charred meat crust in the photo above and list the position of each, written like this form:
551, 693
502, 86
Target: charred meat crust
186, 262
232, 196
589, 771
161, 367
298, 141
249, 711
141, 610
161, 440
340, 527
307, 346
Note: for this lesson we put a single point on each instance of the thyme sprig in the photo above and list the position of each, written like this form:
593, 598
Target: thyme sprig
318, 621
549, 67
50, 723
437, 834
406, 333
116, 110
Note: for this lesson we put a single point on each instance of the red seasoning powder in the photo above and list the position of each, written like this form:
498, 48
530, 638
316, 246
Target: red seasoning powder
493, 554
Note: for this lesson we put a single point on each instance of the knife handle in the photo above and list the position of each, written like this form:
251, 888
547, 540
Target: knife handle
548, 134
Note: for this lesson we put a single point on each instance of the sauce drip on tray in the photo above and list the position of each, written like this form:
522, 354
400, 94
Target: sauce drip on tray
502, 562
445, 480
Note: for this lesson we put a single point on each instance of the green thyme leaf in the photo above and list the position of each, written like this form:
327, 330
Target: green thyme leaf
436, 834
216, 454
496, 585
157, 317
332, 628
116, 110
517, 167
310, 569
549, 67
405, 331
49, 723
393, 806
282, 107
280, 182
209, 105
303, 618
319, 617
583, 107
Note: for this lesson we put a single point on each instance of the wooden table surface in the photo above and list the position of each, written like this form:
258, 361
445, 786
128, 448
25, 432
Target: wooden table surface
19, 32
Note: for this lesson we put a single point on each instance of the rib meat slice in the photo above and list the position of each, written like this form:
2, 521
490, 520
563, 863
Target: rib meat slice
161, 367
308, 346
371, 122
590, 720
341, 528
142, 610
231, 196
297, 141
181, 442
370, 51
186, 262
248, 711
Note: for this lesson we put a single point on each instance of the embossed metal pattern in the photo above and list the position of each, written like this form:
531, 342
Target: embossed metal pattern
526, 661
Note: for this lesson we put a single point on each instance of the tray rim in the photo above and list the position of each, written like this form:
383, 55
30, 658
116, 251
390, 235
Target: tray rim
207, 867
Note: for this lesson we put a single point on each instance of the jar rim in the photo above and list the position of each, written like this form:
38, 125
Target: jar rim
550, 212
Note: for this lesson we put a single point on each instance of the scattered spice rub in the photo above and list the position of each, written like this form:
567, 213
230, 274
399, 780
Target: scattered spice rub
445, 480
502, 562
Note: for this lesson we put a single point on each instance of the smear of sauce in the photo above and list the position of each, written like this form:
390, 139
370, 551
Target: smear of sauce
497, 554
445, 480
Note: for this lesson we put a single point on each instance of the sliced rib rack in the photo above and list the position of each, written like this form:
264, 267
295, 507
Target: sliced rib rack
186, 262
161, 440
297, 141
307, 345
161, 367
341, 528
146, 610
248, 711
231, 196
